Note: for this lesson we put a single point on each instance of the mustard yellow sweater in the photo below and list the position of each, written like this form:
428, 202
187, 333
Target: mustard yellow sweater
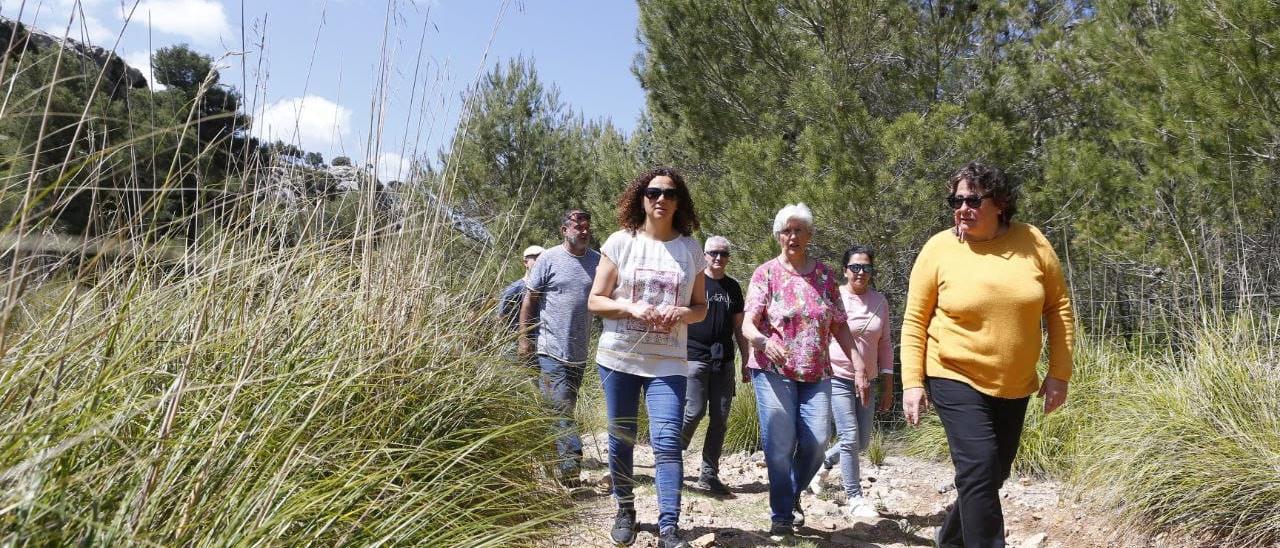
973, 313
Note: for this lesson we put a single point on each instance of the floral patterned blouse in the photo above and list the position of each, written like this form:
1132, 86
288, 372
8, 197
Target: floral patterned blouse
798, 311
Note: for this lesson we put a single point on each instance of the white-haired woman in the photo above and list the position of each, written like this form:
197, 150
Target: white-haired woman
793, 310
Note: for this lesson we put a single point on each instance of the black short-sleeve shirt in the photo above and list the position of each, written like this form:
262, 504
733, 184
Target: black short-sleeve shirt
724, 300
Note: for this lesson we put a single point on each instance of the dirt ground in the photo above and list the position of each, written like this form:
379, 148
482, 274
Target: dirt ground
911, 495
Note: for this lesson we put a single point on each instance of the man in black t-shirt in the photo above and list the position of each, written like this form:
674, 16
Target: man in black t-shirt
711, 350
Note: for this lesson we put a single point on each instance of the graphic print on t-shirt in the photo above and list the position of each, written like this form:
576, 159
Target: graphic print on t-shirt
657, 288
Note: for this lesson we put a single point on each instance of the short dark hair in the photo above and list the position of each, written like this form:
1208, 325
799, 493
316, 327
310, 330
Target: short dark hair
857, 249
631, 203
570, 213
990, 179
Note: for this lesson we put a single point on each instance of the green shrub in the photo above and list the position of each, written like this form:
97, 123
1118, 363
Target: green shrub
312, 395
1193, 446
876, 450
742, 434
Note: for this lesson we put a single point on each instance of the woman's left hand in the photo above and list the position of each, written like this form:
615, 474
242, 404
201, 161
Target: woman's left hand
886, 393
863, 386
669, 316
1054, 392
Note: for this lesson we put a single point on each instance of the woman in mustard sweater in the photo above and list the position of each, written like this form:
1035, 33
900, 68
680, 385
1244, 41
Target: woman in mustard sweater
971, 336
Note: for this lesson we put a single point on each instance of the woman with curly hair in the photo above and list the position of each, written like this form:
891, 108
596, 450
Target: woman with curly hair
648, 288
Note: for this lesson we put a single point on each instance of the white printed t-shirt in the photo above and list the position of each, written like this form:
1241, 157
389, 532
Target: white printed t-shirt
657, 273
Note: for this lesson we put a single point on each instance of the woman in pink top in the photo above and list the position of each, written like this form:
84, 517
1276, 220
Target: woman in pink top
867, 312
793, 310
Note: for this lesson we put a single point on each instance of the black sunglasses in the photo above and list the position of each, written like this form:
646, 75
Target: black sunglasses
856, 268
718, 253
653, 192
974, 202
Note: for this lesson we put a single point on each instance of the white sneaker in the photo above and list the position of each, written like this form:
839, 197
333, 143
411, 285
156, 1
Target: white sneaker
860, 507
815, 486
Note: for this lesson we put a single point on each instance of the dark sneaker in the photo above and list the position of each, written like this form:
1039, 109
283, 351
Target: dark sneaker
670, 538
712, 485
797, 516
624, 527
779, 530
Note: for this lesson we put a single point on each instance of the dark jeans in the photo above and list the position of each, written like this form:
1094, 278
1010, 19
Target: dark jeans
559, 383
708, 389
983, 433
664, 399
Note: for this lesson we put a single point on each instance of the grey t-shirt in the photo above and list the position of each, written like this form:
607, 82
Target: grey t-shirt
563, 283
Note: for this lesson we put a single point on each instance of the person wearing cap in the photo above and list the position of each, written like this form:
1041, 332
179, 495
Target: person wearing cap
512, 296
509, 303
555, 302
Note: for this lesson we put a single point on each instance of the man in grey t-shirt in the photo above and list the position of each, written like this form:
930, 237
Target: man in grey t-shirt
558, 287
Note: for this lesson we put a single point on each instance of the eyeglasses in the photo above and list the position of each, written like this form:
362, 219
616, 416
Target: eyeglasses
530, 257
653, 192
719, 253
856, 268
974, 202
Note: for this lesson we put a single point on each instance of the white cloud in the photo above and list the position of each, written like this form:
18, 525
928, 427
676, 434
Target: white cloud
392, 167
141, 60
312, 122
199, 20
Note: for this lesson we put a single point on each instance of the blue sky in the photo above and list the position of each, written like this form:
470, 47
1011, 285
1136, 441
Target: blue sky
314, 65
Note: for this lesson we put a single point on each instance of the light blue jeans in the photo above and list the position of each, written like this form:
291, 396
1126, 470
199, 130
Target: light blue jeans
853, 426
795, 422
664, 399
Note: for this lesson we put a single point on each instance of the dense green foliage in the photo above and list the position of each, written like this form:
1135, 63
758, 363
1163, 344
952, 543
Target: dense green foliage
520, 158
1144, 132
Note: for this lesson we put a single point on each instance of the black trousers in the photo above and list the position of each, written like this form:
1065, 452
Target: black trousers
983, 433
714, 390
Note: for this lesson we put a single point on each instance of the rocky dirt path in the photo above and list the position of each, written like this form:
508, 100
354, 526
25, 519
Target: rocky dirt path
911, 495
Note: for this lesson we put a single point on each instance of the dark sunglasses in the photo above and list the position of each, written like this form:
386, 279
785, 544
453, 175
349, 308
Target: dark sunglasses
856, 268
653, 192
974, 202
718, 253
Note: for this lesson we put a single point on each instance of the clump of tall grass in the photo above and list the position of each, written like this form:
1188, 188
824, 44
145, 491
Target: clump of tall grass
743, 431
322, 393
1193, 446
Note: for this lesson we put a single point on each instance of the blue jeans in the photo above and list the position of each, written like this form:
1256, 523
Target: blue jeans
795, 422
853, 426
664, 398
559, 383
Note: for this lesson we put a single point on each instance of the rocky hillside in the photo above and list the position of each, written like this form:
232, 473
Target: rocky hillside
18, 39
